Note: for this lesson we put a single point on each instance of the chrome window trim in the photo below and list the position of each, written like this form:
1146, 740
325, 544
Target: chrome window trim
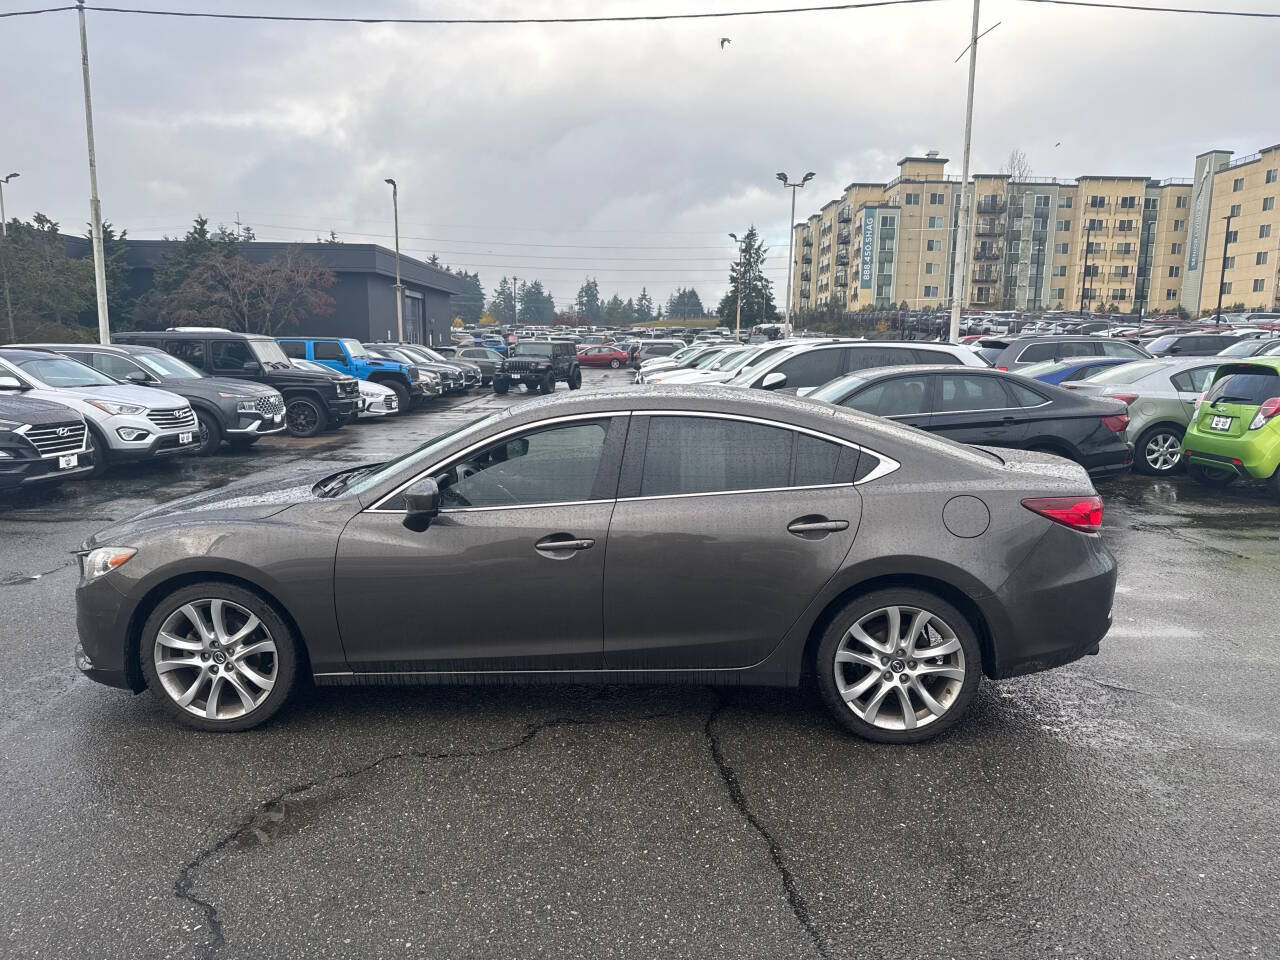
442, 464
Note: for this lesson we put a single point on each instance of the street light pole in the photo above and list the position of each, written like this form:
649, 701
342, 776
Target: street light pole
1084, 274
737, 326
791, 242
1222, 274
959, 280
95, 205
395, 208
4, 256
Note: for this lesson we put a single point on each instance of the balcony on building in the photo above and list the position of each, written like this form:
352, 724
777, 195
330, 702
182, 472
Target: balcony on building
842, 259
842, 278
987, 253
989, 228
806, 241
992, 205
986, 275
844, 214
806, 258
843, 236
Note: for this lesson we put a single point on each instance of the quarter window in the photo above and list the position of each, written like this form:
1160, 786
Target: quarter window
1025, 396
554, 465
687, 455
191, 351
958, 393
1192, 381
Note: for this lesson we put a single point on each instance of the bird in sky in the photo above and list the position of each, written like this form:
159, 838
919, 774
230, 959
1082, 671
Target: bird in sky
724, 42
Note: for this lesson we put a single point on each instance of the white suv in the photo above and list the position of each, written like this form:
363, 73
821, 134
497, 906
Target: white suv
808, 365
126, 422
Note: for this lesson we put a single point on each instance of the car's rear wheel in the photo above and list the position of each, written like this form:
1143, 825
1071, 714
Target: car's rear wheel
1210, 477
218, 657
615, 363
305, 417
1273, 485
210, 434
1159, 451
899, 665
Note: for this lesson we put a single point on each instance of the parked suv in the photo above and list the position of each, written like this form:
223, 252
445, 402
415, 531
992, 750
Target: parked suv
813, 363
312, 402
41, 442
451, 377
1012, 354
651, 349
125, 422
233, 410
1192, 344
1235, 431
350, 357
540, 364
471, 375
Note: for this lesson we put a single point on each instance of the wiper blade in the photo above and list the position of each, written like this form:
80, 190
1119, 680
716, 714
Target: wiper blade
335, 484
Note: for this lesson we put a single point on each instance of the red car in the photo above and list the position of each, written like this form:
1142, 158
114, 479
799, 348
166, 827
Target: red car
603, 356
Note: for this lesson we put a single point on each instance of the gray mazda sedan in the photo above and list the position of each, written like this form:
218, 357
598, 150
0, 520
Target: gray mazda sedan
578, 538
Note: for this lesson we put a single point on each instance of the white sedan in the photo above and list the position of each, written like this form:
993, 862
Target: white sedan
377, 400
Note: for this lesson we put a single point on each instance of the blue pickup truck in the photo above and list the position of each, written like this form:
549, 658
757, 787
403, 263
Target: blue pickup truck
349, 356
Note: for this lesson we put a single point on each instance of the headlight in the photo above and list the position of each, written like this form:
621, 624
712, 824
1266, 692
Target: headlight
8, 424
118, 409
103, 560
422, 376
246, 406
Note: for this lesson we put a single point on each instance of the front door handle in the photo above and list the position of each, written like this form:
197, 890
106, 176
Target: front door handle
560, 546
819, 525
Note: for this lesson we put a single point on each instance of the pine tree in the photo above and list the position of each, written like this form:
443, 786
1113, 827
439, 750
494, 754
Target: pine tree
644, 307
757, 289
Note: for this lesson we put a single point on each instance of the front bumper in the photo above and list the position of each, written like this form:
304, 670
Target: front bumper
33, 470
102, 624
257, 425
159, 445
343, 407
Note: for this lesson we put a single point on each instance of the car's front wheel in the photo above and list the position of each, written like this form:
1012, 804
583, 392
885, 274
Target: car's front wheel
218, 657
615, 364
548, 384
305, 417
1159, 451
210, 434
899, 665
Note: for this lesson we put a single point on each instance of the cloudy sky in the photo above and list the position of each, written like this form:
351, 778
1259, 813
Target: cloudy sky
620, 151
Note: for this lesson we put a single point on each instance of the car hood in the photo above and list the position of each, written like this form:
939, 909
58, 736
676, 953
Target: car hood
212, 386
247, 500
148, 397
292, 376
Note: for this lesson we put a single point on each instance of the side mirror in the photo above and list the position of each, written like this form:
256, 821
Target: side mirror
138, 377
422, 504
11, 383
1175, 349
772, 381
251, 366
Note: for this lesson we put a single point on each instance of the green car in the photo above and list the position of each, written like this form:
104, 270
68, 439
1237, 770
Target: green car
1235, 431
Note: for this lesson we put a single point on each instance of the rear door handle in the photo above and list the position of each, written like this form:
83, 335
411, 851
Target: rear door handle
816, 525
563, 544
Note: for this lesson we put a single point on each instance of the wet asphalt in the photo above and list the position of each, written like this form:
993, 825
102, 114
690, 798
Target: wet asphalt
1123, 806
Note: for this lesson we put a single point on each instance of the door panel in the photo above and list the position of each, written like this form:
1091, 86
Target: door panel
975, 408
700, 582
473, 591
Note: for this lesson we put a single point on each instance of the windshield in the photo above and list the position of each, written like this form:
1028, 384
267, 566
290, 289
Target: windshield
837, 389
1245, 348
534, 349
268, 352
706, 360
1034, 370
418, 456
355, 348
167, 366
399, 356
311, 366
1127, 372
61, 372
730, 360
1159, 343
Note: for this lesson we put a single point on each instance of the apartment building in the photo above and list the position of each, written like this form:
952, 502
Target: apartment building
1105, 242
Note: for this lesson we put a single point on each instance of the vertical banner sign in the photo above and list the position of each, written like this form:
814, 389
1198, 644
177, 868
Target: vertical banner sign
1198, 218
868, 244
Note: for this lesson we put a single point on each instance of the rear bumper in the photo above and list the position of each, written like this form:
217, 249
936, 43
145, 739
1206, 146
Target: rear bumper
1111, 462
1257, 457
1055, 608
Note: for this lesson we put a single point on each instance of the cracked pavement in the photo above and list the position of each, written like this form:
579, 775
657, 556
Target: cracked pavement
1122, 806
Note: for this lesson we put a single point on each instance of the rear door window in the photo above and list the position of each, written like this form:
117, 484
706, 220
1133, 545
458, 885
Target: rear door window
191, 351
1024, 395
958, 393
1077, 348
936, 356
687, 455
1113, 348
328, 350
1192, 381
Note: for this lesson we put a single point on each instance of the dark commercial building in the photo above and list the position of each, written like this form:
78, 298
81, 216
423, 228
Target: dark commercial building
365, 296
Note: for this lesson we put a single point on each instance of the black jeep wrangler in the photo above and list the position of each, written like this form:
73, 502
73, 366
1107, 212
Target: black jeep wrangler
538, 364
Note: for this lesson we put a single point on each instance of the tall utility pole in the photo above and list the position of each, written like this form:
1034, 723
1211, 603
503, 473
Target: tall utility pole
95, 205
515, 303
737, 326
395, 210
960, 278
4, 256
791, 243
1222, 274
1084, 273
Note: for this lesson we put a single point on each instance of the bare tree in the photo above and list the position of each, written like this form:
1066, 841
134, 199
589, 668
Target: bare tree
1017, 166
233, 292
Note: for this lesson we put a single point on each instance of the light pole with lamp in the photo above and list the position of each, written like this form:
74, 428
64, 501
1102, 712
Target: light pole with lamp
791, 241
395, 207
4, 255
1222, 274
737, 326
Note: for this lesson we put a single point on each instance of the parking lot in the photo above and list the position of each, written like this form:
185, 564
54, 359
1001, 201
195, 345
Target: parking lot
1123, 806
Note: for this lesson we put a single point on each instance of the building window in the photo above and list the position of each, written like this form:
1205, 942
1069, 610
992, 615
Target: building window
1061, 248
1124, 225
1060, 270
1234, 235
1063, 225
1264, 231
1151, 203
1272, 174
930, 268
1171, 294
1226, 286
1124, 249
1262, 259
1182, 203
937, 198
935, 223
932, 245
1175, 271
1128, 203
1097, 202
1268, 203
1259, 285
1235, 210
1059, 293
888, 222
1119, 293
1178, 225
1095, 224
1229, 263
912, 199
1237, 185
930, 291
1093, 248
1175, 249
1042, 200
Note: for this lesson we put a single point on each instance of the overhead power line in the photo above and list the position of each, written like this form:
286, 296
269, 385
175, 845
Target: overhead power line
1151, 8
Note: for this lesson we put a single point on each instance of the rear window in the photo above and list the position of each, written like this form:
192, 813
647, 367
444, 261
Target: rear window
989, 354
1250, 385
1161, 343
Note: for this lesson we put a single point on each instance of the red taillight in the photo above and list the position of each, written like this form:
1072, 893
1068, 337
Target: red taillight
1078, 513
1270, 407
1125, 398
1005, 369
1118, 423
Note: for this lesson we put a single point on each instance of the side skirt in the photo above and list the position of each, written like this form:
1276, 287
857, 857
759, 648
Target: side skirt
743, 677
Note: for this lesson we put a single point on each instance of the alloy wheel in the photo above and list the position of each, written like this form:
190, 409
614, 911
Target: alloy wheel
215, 659
303, 419
899, 668
1162, 452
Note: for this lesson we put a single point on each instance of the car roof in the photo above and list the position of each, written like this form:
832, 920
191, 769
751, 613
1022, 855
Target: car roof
1272, 363
124, 349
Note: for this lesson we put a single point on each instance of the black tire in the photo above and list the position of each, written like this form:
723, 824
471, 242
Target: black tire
243, 442
283, 661
1157, 438
615, 364
403, 401
548, 384
954, 694
1273, 485
575, 379
305, 417
1209, 477
210, 433
99, 447
501, 386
